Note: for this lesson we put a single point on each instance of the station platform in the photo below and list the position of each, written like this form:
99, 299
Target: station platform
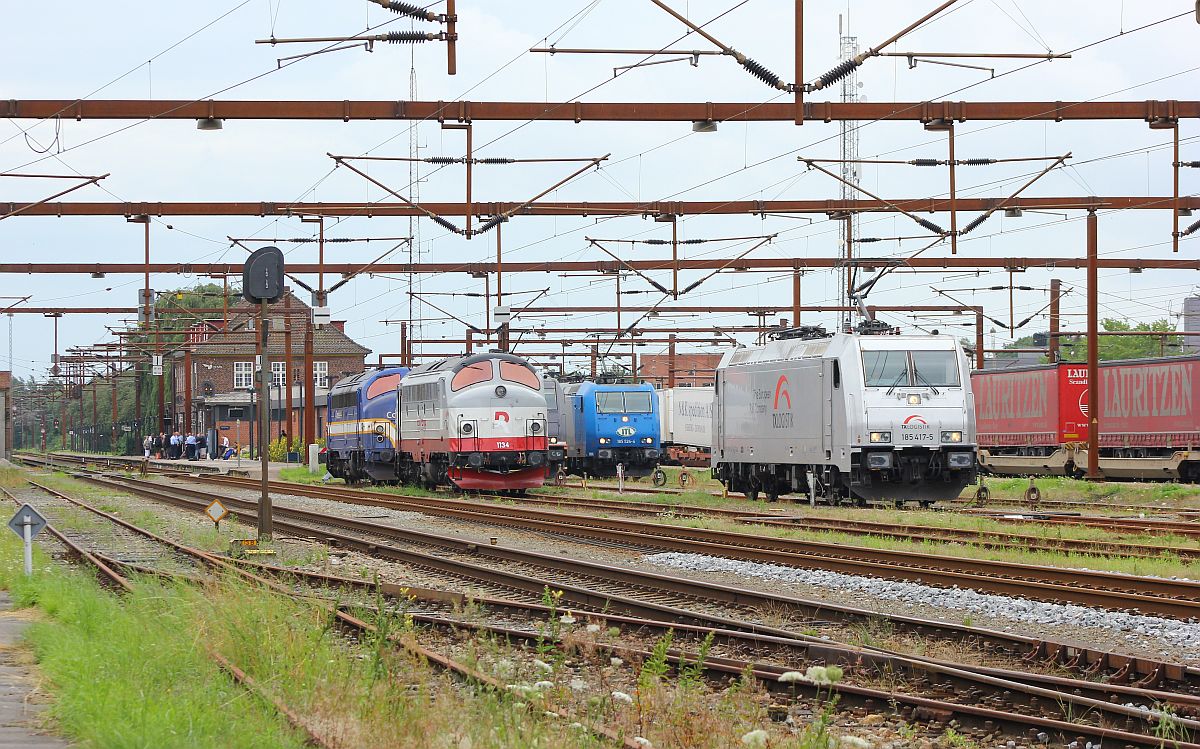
21, 715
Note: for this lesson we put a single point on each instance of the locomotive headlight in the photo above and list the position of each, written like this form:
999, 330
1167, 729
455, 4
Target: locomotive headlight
951, 436
914, 399
466, 428
605, 440
625, 418
554, 440
501, 391
535, 427
881, 437
379, 429
648, 440
961, 460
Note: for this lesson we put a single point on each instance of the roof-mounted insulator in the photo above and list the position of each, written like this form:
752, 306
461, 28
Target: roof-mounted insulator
976, 162
405, 9
866, 240
760, 71
408, 37
930, 225
974, 224
836, 74
494, 160
1191, 229
1190, 164
445, 224
925, 162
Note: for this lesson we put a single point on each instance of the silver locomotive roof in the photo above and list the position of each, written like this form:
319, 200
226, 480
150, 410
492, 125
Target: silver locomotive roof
788, 349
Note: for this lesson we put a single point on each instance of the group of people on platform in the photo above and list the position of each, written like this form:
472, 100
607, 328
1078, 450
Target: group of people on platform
177, 446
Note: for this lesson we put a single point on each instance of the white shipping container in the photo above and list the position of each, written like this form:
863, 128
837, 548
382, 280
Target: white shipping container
686, 414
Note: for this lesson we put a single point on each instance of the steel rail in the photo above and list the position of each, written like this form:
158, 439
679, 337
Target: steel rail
966, 675
987, 539
443, 662
112, 577
1161, 596
982, 538
880, 660
1074, 654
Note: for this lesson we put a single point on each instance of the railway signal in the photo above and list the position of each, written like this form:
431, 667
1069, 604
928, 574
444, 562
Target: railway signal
262, 283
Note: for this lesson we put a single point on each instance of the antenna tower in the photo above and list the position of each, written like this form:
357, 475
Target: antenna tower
848, 139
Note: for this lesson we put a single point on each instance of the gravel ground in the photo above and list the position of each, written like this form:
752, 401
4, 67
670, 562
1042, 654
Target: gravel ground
1182, 637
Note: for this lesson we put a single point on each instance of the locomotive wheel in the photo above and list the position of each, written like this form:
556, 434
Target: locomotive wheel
659, 477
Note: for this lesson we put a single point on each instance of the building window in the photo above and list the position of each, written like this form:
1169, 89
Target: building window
321, 374
243, 375
279, 374
234, 413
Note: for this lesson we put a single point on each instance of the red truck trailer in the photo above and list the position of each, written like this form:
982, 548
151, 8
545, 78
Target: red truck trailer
1034, 420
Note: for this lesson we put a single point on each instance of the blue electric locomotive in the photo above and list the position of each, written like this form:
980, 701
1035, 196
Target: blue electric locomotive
362, 438
603, 425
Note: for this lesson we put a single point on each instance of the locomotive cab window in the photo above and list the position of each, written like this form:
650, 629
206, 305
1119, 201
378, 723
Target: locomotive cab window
885, 368
610, 403
637, 402
935, 368
837, 374
519, 373
472, 374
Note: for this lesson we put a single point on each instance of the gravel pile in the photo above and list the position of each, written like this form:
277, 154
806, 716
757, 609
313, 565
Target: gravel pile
1133, 627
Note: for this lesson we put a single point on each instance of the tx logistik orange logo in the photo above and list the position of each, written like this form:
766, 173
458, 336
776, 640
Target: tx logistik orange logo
781, 391
782, 419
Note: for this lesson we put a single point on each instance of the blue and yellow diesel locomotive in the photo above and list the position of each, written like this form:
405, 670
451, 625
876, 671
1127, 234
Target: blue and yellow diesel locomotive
600, 426
362, 437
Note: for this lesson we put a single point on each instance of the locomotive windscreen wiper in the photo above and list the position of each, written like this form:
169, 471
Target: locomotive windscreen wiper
902, 376
919, 376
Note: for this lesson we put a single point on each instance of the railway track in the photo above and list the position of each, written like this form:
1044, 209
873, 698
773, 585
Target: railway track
998, 540
1074, 656
1173, 598
978, 692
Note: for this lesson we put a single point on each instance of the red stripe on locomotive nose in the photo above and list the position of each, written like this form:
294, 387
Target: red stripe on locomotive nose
496, 444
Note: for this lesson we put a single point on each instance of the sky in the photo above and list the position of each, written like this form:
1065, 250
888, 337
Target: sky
207, 50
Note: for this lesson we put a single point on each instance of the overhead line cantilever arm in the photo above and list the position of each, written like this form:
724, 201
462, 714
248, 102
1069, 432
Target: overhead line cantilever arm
596, 243
1003, 203
925, 223
753, 67
843, 69
86, 181
341, 161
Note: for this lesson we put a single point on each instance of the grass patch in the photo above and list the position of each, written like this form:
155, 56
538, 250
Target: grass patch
133, 671
301, 475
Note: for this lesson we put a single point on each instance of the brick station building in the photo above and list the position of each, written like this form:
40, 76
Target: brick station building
691, 370
223, 366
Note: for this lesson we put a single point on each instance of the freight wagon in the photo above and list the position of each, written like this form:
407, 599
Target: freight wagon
1034, 420
685, 418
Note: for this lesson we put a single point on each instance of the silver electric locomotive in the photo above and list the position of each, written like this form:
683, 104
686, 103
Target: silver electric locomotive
845, 416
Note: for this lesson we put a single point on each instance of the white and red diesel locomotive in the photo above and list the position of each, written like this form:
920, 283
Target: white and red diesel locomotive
474, 422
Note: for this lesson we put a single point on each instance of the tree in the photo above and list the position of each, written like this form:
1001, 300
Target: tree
1112, 347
